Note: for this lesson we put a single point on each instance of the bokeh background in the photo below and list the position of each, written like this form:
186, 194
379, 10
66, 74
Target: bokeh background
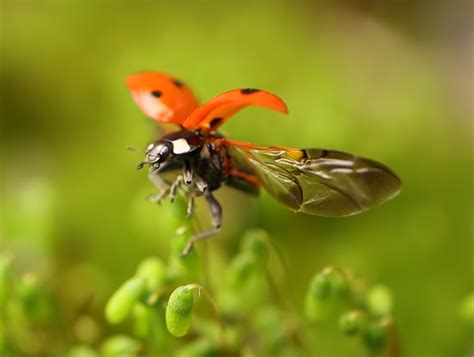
390, 80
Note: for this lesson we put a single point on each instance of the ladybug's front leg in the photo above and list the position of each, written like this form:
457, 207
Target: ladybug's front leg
162, 186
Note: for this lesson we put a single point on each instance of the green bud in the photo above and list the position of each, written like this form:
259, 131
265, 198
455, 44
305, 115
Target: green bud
320, 287
380, 300
375, 336
86, 329
120, 345
315, 309
28, 290
178, 311
141, 320
120, 304
352, 323
339, 285
466, 309
242, 267
34, 298
199, 348
5, 277
153, 271
256, 242
81, 351
317, 302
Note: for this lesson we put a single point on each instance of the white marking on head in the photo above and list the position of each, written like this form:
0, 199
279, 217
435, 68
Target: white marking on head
180, 146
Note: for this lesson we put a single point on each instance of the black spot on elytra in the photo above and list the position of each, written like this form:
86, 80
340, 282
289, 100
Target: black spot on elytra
248, 90
215, 121
178, 83
156, 93
324, 153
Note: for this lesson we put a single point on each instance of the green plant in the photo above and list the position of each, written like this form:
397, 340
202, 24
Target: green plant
242, 309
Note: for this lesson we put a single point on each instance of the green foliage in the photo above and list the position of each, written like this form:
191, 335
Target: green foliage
366, 311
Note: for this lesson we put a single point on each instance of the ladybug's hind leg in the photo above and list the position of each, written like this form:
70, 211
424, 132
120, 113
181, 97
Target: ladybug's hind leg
216, 212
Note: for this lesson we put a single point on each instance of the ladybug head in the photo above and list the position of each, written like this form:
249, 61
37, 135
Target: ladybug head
156, 154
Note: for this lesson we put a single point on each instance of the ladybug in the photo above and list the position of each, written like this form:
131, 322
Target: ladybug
200, 160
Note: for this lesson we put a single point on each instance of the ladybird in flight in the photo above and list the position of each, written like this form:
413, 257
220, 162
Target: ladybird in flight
315, 181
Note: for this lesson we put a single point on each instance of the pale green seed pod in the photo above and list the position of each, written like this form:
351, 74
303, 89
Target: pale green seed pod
255, 242
375, 335
241, 269
28, 290
340, 285
153, 270
178, 311
120, 345
121, 303
81, 351
142, 320
315, 309
5, 277
320, 287
352, 323
317, 302
380, 300
466, 310
198, 348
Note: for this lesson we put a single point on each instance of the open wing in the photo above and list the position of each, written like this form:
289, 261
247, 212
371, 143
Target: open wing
213, 113
162, 97
321, 182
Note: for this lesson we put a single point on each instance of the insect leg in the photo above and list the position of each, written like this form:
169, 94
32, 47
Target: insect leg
161, 185
174, 187
190, 209
157, 197
201, 184
188, 173
216, 212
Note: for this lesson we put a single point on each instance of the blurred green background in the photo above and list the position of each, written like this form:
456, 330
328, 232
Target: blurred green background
389, 80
